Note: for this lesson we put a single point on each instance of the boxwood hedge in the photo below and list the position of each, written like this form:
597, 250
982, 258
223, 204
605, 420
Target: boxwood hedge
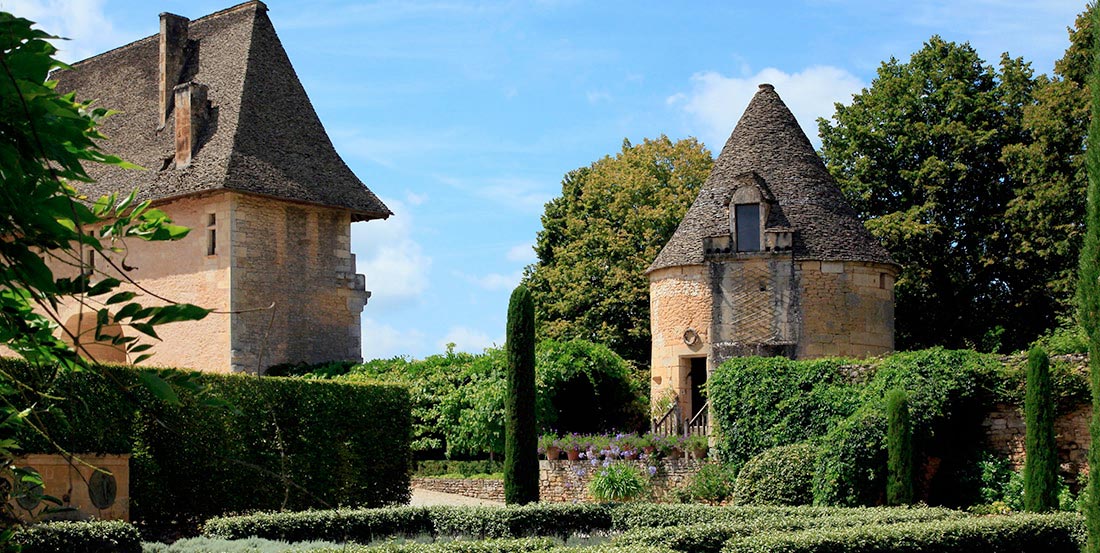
1058, 533
280, 443
79, 537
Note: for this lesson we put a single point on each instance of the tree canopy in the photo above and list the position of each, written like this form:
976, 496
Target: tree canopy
601, 234
944, 158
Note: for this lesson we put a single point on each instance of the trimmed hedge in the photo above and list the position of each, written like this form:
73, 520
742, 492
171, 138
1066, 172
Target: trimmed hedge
80, 537
1061, 533
779, 476
709, 537
281, 443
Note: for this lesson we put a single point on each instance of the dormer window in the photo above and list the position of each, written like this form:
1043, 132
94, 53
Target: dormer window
746, 219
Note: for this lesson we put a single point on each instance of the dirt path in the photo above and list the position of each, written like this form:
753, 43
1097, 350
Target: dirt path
428, 497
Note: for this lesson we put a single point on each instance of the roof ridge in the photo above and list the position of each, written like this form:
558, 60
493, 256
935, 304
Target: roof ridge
233, 9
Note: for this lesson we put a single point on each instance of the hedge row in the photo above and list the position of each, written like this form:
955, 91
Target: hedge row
543, 519
281, 443
80, 537
510, 545
711, 536
1059, 533
839, 407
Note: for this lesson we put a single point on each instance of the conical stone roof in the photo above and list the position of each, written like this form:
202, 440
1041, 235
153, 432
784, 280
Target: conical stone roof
768, 141
263, 135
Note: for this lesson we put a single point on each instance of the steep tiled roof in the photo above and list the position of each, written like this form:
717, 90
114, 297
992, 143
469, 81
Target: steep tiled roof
768, 142
262, 136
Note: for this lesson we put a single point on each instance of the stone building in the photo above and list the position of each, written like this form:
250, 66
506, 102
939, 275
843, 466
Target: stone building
232, 148
769, 260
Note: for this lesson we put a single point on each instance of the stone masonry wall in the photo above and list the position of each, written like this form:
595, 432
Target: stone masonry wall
847, 309
180, 271
492, 490
297, 257
679, 300
567, 481
1005, 432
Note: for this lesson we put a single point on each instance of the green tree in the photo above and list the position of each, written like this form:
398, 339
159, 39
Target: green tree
1041, 464
1088, 287
44, 139
899, 449
1046, 216
919, 155
601, 234
521, 464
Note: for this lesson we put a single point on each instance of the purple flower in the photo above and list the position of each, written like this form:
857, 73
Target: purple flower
652, 470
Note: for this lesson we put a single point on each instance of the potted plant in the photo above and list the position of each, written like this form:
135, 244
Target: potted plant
549, 446
600, 447
627, 446
648, 443
697, 444
671, 447
571, 444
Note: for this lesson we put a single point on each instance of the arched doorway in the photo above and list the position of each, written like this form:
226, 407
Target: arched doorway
83, 327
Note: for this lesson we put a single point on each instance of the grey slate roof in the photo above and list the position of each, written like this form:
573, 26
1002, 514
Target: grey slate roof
263, 136
768, 141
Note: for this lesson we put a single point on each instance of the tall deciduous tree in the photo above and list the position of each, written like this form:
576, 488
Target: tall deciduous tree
919, 155
1088, 287
601, 234
1046, 218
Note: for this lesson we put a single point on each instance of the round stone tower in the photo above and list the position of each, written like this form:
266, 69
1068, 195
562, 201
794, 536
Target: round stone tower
769, 260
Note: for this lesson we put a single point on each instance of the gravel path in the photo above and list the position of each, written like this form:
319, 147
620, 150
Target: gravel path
428, 497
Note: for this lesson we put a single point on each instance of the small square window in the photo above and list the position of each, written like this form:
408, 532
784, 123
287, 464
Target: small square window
212, 220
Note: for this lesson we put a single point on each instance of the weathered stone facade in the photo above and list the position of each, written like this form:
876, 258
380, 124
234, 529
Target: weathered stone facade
1005, 432
567, 481
480, 488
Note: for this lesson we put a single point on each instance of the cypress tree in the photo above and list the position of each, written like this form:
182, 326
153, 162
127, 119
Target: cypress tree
899, 449
521, 464
1041, 466
1088, 286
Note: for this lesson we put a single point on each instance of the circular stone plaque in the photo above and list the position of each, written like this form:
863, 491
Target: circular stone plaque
102, 489
690, 337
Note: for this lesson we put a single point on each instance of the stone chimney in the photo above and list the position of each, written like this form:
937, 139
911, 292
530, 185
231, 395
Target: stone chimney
191, 113
173, 43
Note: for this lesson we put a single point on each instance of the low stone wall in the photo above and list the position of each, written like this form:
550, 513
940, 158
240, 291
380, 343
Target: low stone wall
567, 481
1005, 431
94, 486
481, 488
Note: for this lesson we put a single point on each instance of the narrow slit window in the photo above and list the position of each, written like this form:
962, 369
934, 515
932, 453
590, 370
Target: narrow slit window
882, 280
747, 217
89, 266
211, 235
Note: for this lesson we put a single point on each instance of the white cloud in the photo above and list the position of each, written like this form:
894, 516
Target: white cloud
596, 96
519, 193
468, 339
522, 253
493, 281
395, 265
83, 21
716, 102
382, 341
415, 199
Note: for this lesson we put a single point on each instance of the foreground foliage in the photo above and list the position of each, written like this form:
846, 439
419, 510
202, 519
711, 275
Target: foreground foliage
1088, 284
80, 537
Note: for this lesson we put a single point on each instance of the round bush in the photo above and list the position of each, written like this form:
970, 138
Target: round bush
618, 482
779, 476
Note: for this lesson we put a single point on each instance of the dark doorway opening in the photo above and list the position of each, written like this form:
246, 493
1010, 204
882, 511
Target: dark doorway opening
698, 376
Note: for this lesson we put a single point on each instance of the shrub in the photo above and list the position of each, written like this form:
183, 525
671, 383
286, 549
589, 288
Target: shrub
760, 403
1017, 533
465, 468
586, 388
249, 545
779, 476
713, 483
80, 537
1041, 464
899, 450
618, 482
521, 464
280, 442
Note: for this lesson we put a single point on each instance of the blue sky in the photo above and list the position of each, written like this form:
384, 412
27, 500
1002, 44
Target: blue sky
463, 116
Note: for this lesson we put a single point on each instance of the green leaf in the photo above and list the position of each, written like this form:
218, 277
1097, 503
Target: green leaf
121, 297
158, 387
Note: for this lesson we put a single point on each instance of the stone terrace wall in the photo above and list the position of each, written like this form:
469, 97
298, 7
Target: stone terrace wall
1005, 431
567, 481
492, 490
